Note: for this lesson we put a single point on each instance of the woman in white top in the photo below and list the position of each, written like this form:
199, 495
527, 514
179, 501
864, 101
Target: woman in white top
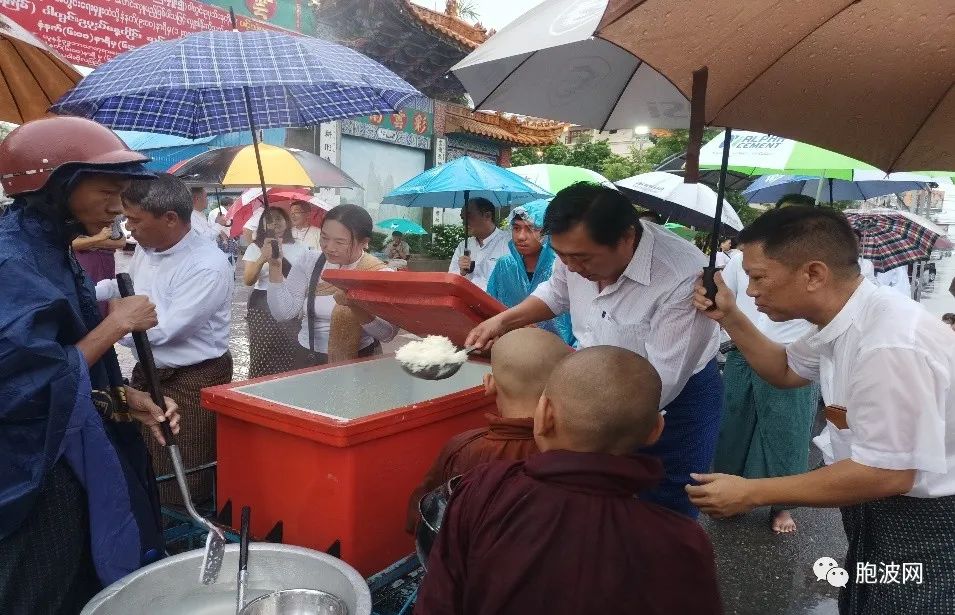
728, 247
271, 343
333, 330
302, 229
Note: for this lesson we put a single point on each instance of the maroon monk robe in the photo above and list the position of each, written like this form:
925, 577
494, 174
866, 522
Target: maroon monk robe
503, 439
562, 533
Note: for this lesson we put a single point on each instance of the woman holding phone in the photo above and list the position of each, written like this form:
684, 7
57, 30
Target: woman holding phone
271, 343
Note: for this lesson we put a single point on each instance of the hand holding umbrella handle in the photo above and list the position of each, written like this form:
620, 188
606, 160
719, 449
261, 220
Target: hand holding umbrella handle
146, 361
709, 283
471, 266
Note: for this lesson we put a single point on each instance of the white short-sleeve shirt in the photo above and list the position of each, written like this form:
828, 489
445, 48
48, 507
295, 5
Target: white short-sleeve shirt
290, 251
890, 364
485, 256
649, 310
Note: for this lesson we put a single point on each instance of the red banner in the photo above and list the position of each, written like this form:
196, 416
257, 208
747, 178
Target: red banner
90, 32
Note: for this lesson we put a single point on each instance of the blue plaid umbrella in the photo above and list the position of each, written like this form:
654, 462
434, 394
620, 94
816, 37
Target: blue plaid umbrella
771, 188
193, 87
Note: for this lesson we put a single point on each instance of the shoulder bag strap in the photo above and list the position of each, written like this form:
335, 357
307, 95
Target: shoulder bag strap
310, 301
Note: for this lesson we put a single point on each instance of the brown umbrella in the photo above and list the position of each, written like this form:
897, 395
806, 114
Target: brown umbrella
32, 76
872, 79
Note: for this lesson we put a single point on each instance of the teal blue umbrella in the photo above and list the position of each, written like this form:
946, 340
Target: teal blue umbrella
452, 184
405, 227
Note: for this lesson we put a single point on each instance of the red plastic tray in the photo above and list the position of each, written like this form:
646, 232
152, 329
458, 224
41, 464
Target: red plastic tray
421, 303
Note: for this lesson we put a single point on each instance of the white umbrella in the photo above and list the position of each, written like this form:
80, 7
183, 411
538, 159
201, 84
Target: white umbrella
667, 195
548, 63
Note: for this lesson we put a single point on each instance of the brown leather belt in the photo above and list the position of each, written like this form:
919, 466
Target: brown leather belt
837, 416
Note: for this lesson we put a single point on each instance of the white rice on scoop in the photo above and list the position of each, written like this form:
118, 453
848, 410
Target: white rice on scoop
433, 351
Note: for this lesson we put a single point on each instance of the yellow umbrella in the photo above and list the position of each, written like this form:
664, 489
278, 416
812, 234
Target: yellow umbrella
282, 166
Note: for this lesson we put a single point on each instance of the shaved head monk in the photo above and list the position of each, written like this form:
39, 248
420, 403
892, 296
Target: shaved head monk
562, 532
521, 363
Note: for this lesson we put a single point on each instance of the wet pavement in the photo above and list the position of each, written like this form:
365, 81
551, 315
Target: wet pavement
760, 573
935, 296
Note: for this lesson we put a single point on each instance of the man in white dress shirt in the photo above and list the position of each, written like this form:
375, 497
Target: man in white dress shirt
629, 283
885, 367
198, 219
191, 283
486, 243
897, 279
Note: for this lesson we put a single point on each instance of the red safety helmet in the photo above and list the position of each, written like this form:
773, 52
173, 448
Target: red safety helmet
32, 152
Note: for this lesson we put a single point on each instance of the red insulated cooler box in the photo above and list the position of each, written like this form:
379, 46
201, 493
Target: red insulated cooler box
334, 452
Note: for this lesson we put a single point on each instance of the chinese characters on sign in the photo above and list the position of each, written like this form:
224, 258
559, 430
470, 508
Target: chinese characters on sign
329, 135
889, 573
411, 127
91, 32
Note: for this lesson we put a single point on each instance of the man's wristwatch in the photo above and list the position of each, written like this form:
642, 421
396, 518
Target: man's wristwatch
112, 405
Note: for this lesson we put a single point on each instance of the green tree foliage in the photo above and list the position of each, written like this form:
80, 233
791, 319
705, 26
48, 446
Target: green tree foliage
597, 156
446, 240
552, 154
467, 10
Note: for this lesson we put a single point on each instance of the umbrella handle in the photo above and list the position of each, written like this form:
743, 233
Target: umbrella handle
709, 283
471, 268
147, 363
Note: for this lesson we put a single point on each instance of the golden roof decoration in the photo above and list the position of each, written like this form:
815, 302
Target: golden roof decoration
513, 129
454, 28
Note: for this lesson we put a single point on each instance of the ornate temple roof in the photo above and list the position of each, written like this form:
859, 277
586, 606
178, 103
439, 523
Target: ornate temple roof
417, 43
506, 129
463, 33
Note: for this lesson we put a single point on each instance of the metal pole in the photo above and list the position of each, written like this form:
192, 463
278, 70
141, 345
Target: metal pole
691, 173
720, 195
819, 183
255, 131
710, 271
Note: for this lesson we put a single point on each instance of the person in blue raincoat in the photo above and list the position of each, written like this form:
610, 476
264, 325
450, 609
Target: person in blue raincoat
528, 264
78, 501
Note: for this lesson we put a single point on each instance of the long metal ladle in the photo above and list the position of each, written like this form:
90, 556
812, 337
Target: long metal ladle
215, 541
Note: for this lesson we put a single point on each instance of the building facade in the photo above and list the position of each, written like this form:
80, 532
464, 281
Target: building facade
379, 151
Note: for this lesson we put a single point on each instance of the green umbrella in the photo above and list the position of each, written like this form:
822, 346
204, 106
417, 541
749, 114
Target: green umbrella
556, 177
684, 232
755, 153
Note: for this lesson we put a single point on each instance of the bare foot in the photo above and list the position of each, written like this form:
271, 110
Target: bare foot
783, 522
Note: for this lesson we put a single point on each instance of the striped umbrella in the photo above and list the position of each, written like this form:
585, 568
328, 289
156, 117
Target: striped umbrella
893, 238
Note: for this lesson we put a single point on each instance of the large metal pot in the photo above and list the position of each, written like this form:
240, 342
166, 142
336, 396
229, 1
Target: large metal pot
171, 587
296, 602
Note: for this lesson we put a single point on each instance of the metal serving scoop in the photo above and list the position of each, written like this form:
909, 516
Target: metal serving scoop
438, 371
215, 539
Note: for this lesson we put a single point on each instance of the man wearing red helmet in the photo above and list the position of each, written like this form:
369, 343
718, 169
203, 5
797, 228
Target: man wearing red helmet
78, 505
